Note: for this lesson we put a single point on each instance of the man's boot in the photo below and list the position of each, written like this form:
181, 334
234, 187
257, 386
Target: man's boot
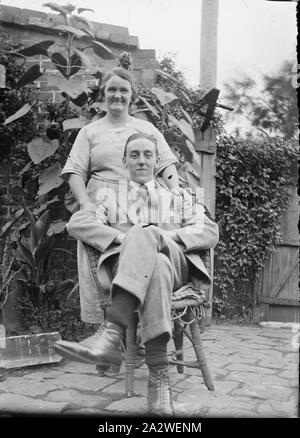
102, 348
159, 395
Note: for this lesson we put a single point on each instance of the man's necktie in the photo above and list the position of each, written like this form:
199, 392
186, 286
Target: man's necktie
142, 193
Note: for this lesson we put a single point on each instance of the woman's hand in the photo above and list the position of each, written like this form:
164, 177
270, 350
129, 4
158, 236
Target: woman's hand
179, 191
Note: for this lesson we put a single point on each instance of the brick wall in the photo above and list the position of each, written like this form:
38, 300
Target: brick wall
29, 27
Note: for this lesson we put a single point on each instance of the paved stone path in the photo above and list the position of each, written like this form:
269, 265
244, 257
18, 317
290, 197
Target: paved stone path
255, 371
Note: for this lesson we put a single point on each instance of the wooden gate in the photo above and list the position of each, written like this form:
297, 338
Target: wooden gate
277, 289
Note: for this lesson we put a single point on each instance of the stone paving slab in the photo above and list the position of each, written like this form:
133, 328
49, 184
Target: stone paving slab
13, 403
254, 369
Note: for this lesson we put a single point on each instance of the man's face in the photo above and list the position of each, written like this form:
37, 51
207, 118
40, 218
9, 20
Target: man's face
140, 160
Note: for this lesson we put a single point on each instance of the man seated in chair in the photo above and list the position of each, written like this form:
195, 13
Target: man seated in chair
149, 241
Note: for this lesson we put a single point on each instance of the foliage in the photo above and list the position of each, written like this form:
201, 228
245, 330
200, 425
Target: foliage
271, 107
11, 100
65, 320
34, 244
254, 180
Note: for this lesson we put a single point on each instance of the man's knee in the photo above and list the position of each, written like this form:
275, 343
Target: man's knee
143, 232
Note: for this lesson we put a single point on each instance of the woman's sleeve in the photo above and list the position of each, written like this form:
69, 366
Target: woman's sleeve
78, 161
165, 154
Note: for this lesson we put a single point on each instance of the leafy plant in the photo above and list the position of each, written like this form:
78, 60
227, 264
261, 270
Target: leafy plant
270, 108
49, 142
33, 261
255, 183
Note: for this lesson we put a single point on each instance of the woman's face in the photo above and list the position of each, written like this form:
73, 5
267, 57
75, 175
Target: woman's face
117, 95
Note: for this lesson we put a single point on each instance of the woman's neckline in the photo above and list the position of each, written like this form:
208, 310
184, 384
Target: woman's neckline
117, 128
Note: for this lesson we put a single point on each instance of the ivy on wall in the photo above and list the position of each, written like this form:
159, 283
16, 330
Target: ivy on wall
254, 187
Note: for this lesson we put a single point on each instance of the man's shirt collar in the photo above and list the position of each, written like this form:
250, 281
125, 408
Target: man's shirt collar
150, 184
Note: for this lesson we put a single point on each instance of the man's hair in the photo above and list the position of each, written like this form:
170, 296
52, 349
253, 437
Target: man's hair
137, 135
123, 74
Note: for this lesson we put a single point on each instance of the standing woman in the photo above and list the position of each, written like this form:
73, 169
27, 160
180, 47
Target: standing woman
96, 158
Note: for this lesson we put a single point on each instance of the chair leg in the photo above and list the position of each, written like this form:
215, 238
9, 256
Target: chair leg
198, 347
130, 357
178, 342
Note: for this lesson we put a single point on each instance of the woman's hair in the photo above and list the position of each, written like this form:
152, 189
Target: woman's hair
137, 135
123, 74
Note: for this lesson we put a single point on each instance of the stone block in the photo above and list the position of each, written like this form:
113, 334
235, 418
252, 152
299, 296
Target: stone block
75, 398
133, 41
145, 53
26, 387
277, 393
27, 350
129, 405
8, 13
249, 368
85, 383
103, 35
119, 38
113, 28
15, 403
279, 409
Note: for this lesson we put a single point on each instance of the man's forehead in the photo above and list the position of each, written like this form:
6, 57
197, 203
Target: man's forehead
141, 145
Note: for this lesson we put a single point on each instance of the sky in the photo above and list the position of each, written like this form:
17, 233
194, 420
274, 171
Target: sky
254, 36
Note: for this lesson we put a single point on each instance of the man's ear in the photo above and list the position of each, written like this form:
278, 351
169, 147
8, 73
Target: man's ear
124, 161
157, 160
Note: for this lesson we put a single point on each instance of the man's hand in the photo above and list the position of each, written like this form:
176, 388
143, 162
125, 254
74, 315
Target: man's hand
120, 237
87, 205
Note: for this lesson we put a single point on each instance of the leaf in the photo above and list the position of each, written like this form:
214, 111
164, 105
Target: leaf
185, 96
73, 87
30, 76
5, 229
33, 240
164, 97
61, 64
80, 10
37, 49
57, 8
39, 149
50, 179
141, 114
70, 8
87, 23
70, 29
85, 59
26, 255
80, 100
42, 225
167, 75
187, 116
184, 127
20, 113
76, 123
150, 107
99, 105
56, 227
102, 51
43, 249
25, 168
